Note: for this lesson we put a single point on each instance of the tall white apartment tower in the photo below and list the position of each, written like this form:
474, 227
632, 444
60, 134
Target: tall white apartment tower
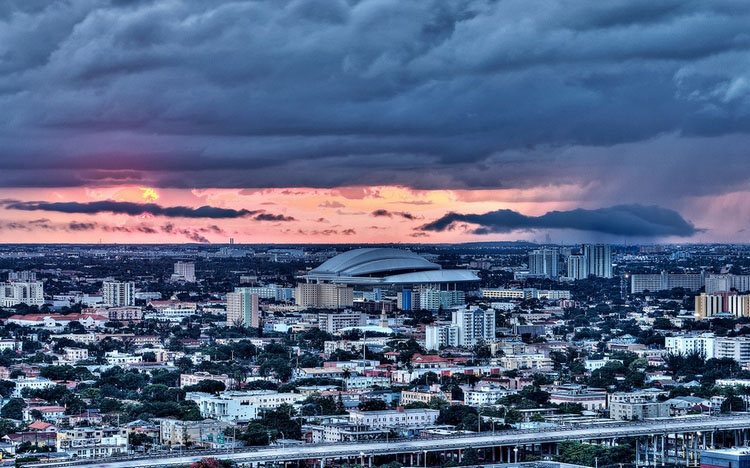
243, 308
578, 267
599, 259
543, 263
474, 325
118, 293
21, 292
185, 271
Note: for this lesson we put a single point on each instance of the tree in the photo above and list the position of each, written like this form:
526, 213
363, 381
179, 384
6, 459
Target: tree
6, 388
184, 364
513, 416
470, 457
13, 409
372, 405
207, 463
207, 386
255, 434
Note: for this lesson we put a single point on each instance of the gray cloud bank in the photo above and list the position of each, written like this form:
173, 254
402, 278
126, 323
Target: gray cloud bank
620, 220
465, 93
136, 209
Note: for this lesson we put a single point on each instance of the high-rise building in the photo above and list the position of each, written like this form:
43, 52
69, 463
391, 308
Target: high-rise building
21, 292
405, 299
665, 281
474, 325
334, 322
719, 283
441, 334
436, 299
686, 345
243, 308
22, 276
738, 305
184, 271
543, 263
118, 293
737, 348
708, 305
578, 267
599, 259
466, 328
324, 295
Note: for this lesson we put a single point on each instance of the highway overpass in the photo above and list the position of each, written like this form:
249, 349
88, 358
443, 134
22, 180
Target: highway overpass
689, 435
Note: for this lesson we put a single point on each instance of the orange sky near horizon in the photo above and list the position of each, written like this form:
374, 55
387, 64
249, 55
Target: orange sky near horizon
337, 215
334, 215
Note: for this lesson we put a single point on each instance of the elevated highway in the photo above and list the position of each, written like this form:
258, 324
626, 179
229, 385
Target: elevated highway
693, 433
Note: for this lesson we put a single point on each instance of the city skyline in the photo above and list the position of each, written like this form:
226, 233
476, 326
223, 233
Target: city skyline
373, 121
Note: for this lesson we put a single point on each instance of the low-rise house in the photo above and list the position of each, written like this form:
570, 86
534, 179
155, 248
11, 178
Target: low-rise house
35, 438
187, 380
33, 383
116, 358
208, 433
590, 400
639, 410
48, 413
90, 442
343, 432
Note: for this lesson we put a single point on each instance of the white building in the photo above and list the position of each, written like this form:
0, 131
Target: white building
93, 442
543, 263
116, 358
76, 354
484, 395
184, 271
467, 328
21, 292
187, 380
737, 348
441, 334
334, 322
118, 294
22, 276
32, 383
420, 417
435, 299
360, 382
578, 267
685, 345
599, 259
474, 325
240, 405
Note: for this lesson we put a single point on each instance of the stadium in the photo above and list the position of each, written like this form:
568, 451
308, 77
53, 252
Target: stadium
386, 266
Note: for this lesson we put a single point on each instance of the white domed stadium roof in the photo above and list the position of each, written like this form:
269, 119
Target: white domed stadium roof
380, 265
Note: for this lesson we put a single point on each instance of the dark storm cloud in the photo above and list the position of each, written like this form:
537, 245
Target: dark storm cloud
75, 226
390, 214
132, 209
621, 220
322, 93
272, 217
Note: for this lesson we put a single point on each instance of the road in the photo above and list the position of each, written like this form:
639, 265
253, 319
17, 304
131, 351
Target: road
505, 438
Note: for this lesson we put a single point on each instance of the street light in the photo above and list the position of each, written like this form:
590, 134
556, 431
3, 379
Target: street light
515, 455
425, 458
362, 458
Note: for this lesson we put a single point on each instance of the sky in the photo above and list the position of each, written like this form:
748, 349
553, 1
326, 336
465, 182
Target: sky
350, 121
